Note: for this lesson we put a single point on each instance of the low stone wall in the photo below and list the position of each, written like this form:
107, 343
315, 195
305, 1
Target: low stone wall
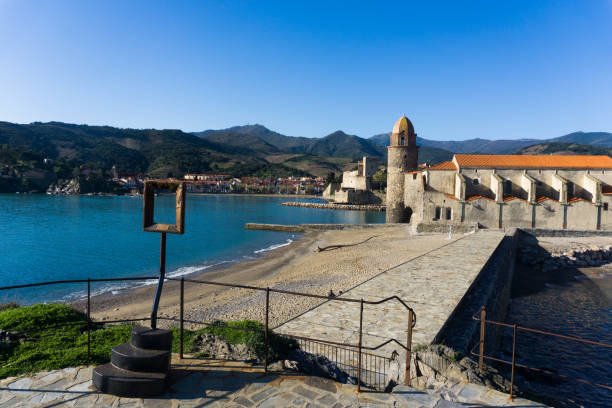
445, 228
540, 232
330, 206
274, 227
490, 289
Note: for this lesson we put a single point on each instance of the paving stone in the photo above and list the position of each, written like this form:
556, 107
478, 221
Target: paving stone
85, 386
327, 400
281, 400
244, 401
37, 398
470, 392
189, 387
306, 393
321, 383
262, 395
51, 377
414, 398
85, 401
21, 384
155, 402
298, 402
442, 403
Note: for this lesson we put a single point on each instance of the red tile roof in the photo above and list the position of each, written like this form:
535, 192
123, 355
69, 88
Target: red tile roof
533, 161
447, 165
476, 197
510, 198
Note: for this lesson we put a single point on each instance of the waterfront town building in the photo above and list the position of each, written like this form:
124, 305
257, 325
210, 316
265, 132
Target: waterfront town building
356, 186
496, 191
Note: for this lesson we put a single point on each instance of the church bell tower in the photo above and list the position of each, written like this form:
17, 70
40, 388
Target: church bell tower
402, 156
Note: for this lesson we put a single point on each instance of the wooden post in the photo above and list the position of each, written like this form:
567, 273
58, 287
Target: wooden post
483, 317
409, 346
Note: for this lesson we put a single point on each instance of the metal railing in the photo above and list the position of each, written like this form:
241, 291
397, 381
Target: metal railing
515, 329
371, 369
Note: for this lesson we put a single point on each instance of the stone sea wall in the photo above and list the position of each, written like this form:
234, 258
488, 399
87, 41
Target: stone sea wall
490, 289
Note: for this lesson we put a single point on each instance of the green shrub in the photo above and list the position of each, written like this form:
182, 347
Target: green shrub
255, 340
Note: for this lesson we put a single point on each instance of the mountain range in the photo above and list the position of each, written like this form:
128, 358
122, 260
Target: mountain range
240, 151
504, 146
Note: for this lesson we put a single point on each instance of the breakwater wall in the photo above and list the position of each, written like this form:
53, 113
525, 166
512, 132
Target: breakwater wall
313, 227
491, 289
331, 206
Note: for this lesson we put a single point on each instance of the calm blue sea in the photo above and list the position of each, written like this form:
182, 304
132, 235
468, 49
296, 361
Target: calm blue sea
46, 238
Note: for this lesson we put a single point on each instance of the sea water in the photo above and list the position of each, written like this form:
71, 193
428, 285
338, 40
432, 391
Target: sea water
45, 238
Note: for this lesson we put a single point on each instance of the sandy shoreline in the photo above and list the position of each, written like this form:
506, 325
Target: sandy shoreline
136, 302
296, 267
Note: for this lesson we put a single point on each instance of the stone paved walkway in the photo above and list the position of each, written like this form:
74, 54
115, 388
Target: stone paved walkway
432, 284
206, 383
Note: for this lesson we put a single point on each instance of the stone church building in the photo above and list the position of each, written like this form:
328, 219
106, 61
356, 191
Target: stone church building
496, 191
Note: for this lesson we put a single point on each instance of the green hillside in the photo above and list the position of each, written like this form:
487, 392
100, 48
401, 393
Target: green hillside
157, 153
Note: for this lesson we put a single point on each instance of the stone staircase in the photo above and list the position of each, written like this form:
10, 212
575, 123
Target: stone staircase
138, 368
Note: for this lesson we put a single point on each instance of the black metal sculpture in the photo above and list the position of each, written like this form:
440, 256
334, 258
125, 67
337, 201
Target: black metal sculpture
140, 367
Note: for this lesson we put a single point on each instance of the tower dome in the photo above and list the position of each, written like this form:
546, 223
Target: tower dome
403, 124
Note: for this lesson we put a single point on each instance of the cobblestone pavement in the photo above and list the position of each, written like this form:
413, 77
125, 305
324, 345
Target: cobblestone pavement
206, 383
432, 284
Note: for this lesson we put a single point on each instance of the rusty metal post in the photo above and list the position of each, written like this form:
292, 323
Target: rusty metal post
360, 339
483, 317
181, 317
513, 361
409, 346
88, 319
160, 283
266, 332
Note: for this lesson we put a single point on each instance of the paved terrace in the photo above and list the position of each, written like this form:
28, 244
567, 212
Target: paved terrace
432, 284
209, 383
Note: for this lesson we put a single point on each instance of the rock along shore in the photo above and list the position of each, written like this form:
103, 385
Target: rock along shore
331, 206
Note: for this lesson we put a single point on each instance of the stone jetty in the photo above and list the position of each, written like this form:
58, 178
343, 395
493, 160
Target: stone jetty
332, 206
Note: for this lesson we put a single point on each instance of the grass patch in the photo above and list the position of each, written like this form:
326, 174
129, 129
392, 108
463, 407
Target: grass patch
66, 346
419, 347
231, 332
53, 348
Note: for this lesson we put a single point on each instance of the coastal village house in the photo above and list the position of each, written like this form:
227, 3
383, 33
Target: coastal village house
497, 191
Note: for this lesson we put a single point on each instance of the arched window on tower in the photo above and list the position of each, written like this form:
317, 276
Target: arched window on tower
402, 143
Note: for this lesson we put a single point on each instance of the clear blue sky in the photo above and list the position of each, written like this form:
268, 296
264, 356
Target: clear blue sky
457, 69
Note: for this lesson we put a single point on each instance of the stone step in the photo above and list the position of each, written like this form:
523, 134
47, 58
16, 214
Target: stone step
129, 357
124, 383
151, 339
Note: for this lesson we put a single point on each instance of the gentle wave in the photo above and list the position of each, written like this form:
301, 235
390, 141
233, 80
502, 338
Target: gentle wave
273, 247
117, 288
